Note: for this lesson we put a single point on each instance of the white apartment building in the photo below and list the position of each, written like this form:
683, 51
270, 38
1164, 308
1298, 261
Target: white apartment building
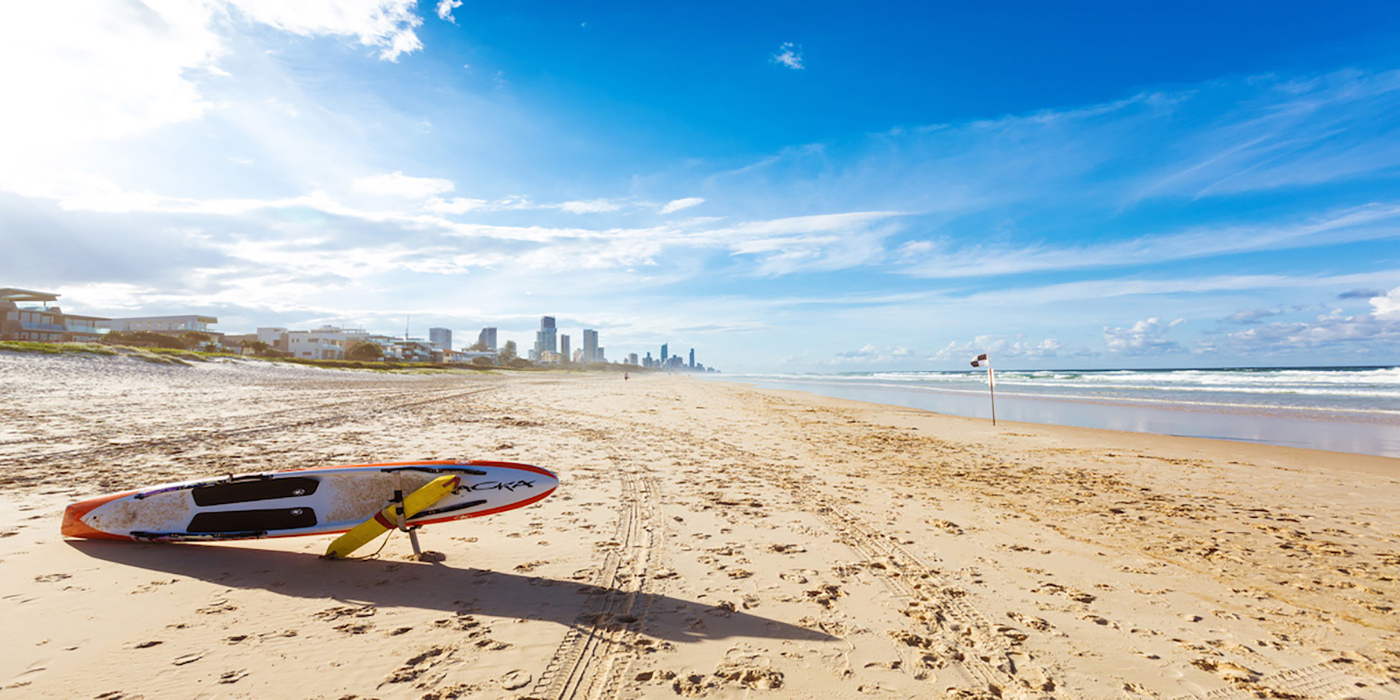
324, 343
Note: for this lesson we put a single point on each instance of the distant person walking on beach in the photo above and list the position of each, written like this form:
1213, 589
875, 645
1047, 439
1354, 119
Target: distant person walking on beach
625, 377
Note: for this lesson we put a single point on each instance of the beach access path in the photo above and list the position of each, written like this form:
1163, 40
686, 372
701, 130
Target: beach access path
708, 539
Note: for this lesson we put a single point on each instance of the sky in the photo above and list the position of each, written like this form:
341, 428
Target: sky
784, 187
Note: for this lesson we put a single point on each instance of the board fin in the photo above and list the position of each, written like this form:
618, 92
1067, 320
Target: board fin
384, 520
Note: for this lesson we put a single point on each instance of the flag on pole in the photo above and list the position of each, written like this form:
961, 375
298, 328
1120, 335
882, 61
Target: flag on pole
982, 361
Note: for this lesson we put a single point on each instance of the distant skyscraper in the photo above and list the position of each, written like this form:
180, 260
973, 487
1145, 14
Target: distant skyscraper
646, 362
631, 358
590, 345
564, 348
487, 339
663, 353
441, 337
692, 358
546, 339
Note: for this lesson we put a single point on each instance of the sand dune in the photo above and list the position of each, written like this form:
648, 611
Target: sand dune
707, 540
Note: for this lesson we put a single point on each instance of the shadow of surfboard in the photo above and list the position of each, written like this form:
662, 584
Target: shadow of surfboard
436, 586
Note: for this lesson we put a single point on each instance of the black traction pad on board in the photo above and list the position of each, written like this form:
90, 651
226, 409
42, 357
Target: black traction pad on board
254, 490
261, 519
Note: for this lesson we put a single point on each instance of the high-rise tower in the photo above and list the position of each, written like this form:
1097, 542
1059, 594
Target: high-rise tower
546, 339
441, 337
590, 345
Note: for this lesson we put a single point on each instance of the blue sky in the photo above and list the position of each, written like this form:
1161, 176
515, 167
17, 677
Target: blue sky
783, 187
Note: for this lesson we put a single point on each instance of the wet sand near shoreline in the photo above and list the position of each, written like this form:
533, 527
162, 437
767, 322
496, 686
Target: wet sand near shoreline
708, 539
1357, 431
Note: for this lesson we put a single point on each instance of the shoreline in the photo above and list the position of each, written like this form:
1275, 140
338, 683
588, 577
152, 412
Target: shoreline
708, 539
1368, 433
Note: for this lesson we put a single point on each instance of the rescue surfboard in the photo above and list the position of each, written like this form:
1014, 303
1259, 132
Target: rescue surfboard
314, 501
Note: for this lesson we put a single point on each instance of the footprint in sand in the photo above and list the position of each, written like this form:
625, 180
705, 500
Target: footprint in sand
798, 576
417, 666
516, 680
233, 676
339, 612
187, 658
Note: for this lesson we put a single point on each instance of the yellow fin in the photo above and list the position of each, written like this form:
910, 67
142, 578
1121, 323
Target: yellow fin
386, 519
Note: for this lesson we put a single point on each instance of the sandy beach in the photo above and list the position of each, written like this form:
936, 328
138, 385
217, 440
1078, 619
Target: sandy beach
708, 539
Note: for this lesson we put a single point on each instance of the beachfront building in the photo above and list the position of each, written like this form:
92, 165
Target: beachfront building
440, 337
324, 343
42, 323
546, 339
412, 350
168, 325
564, 348
486, 340
590, 345
632, 358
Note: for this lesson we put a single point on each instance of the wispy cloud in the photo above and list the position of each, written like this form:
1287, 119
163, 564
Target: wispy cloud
388, 25
676, 205
789, 55
927, 258
445, 8
1290, 133
400, 185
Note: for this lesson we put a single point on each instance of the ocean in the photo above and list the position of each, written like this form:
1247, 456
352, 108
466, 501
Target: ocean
1342, 409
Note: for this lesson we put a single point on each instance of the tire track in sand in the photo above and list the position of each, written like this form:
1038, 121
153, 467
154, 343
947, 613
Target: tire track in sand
594, 654
360, 411
955, 633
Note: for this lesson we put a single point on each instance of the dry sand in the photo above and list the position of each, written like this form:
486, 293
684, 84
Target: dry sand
707, 540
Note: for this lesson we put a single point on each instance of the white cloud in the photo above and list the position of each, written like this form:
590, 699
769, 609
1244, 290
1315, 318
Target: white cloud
445, 8
592, 206
999, 348
398, 184
1334, 329
384, 24
1388, 305
806, 243
1143, 338
871, 355
790, 55
676, 205
456, 205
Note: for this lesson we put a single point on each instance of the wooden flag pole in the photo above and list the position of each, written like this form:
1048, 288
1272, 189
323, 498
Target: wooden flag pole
992, 387
984, 361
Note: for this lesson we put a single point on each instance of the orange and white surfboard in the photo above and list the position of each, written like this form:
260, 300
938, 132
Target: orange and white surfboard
302, 502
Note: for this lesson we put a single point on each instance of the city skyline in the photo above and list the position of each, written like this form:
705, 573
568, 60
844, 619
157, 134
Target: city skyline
804, 188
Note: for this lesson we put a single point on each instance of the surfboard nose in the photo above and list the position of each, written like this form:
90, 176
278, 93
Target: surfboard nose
74, 526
